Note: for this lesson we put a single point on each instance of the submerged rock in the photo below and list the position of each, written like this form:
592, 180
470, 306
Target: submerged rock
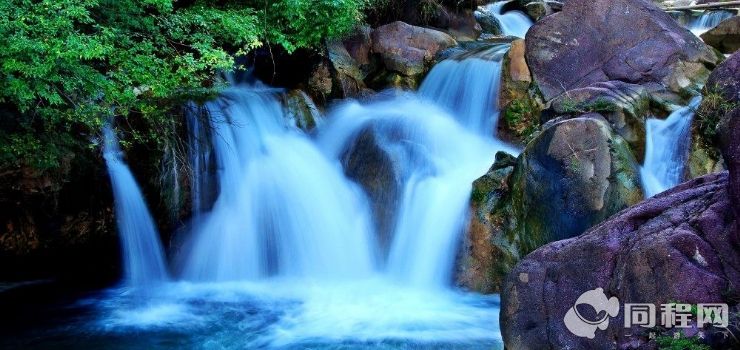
725, 37
602, 40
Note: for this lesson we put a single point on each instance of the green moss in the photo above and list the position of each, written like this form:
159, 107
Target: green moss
669, 342
522, 118
477, 195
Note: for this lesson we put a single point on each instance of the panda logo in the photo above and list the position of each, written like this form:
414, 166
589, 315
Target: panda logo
586, 328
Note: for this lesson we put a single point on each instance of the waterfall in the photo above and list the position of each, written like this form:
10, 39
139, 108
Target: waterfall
283, 209
143, 258
708, 20
514, 23
667, 145
468, 88
287, 253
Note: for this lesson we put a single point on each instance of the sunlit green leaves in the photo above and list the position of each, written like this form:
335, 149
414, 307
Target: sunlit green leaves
69, 64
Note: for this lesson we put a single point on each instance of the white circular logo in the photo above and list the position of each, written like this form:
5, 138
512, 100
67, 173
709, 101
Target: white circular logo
586, 328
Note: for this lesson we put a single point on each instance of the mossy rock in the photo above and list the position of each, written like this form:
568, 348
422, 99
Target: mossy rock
572, 176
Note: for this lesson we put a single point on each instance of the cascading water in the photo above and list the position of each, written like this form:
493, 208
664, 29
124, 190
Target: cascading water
143, 257
514, 23
708, 20
666, 149
435, 160
468, 88
283, 208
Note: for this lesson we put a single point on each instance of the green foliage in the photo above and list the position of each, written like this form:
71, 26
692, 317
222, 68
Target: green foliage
713, 108
668, 342
68, 65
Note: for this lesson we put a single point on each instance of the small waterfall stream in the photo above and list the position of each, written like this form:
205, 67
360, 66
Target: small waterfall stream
514, 23
143, 256
708, 20
458, 86
667, 143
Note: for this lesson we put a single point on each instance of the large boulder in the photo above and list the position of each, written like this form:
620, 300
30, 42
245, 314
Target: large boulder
681, 246
730, 139
602, 40
725, 81
348, 78
572, 176
725, 37
406, 49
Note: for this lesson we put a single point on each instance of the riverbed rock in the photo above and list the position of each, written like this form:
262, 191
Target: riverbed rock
406, 49
632, 41
462, 25
725, 37
538, 10
488, 251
